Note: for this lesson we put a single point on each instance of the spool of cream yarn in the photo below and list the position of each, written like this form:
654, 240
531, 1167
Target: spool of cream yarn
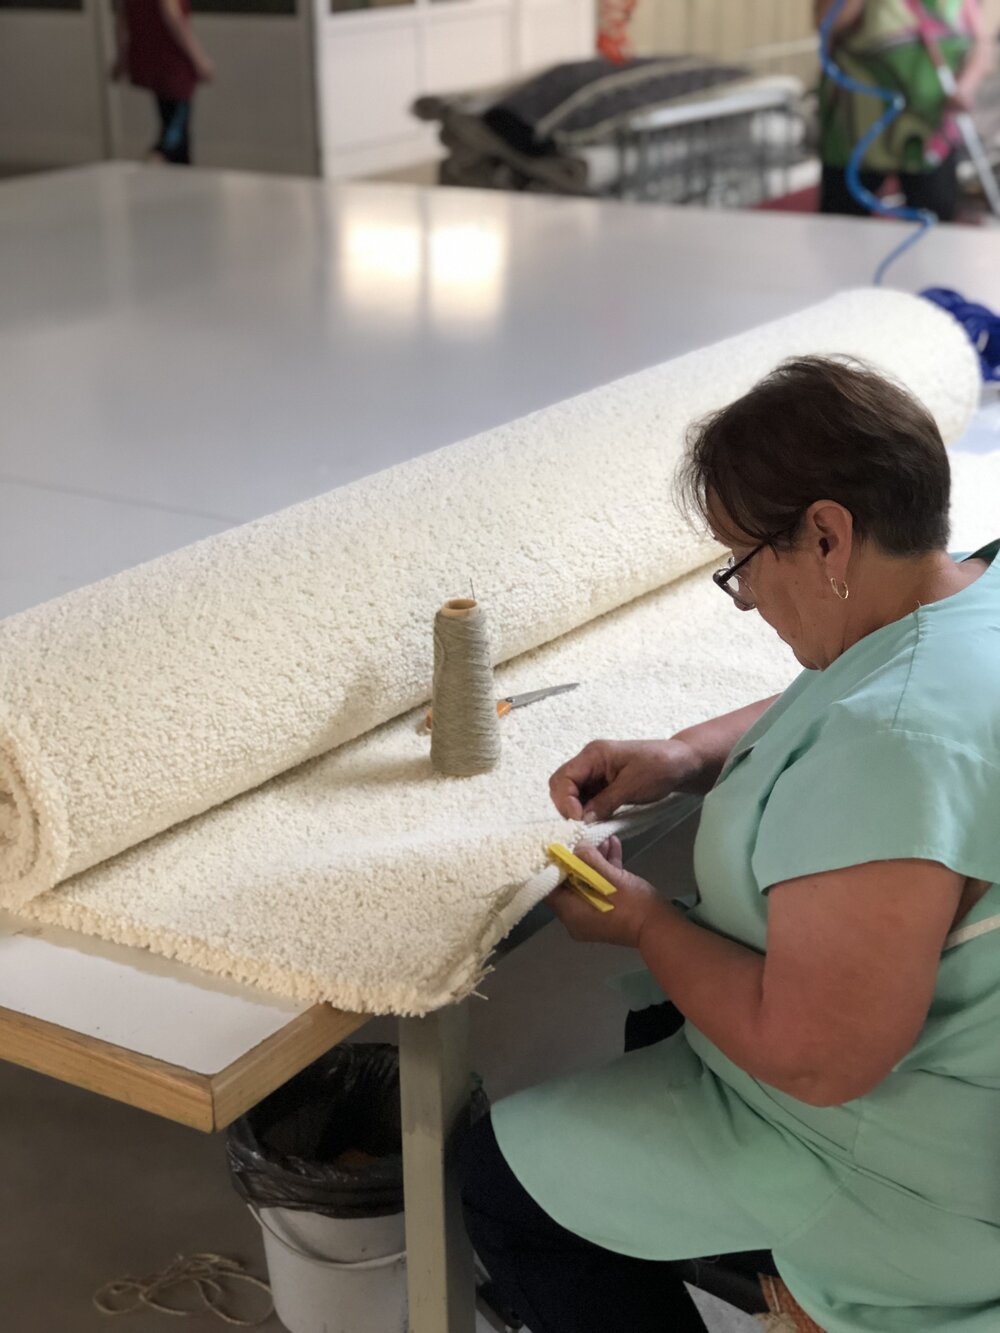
465, 738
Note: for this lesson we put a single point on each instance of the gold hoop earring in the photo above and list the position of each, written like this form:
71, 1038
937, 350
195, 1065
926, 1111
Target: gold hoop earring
842, 595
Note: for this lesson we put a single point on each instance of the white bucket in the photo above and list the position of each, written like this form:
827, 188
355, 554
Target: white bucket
335, 1275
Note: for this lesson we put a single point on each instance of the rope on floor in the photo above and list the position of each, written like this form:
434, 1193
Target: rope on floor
211, 1276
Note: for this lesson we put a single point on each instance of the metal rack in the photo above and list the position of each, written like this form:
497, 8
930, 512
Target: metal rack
733, 149
730, 143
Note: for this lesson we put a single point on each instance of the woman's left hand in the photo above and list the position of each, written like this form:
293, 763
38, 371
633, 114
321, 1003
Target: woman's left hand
634, 901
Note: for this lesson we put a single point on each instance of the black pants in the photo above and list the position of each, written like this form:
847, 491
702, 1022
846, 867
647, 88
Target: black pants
560, 1283
936, 190
174, 143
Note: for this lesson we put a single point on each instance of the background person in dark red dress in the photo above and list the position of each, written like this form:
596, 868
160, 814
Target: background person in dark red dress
158, 50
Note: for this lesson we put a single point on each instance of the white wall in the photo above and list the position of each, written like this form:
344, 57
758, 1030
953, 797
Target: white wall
50, 100
373, 64
718, 27
733, 30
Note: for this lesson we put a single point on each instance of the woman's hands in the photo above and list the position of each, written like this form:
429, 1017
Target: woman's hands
608, 774
634, 903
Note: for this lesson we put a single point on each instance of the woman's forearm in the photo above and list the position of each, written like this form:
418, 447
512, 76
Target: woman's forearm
710, 743
719, 986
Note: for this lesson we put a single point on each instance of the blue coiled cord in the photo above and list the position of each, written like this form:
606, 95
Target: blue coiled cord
895, 103
982, 326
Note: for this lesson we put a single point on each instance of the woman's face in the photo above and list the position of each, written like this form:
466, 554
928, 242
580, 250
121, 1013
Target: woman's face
779, 587
790, 586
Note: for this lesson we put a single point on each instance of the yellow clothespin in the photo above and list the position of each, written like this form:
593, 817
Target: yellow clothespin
584, 879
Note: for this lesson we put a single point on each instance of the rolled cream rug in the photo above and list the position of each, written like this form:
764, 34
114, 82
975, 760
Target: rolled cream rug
132, 706
366, 879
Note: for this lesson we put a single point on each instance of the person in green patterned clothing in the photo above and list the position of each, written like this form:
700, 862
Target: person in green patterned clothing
886, 43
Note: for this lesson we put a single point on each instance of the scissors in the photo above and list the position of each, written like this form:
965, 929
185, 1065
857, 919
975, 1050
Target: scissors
512, 701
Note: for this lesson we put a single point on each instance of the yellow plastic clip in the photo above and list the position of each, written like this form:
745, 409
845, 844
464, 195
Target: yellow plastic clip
584, 879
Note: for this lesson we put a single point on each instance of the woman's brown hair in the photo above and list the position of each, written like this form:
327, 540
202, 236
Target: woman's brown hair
823, 428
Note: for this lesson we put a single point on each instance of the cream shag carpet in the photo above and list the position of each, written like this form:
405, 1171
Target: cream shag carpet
133, 713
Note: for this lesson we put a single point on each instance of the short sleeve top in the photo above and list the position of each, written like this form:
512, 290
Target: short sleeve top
155, 60
893, 751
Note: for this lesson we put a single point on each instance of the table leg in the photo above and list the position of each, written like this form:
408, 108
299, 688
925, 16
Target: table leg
434, 1089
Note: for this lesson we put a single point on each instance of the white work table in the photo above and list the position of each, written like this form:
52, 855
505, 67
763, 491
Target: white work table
182, 350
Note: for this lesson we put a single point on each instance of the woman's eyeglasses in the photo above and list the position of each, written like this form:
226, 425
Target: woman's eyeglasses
734, 584
730, 581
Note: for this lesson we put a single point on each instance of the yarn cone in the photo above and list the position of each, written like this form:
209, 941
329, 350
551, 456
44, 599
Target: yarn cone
466, 735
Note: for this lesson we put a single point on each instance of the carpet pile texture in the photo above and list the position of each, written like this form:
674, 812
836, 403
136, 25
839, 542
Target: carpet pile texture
216, 755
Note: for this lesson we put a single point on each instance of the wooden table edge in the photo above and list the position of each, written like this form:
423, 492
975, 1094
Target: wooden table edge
205, 1102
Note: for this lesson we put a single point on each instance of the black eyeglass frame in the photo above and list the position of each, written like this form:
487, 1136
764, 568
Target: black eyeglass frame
722, 576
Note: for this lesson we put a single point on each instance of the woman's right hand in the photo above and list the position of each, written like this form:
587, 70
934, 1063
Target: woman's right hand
609, 774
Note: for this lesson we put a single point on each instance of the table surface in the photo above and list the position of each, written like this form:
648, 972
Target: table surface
185, 350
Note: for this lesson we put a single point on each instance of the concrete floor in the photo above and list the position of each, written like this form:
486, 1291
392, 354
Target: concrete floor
91, 1190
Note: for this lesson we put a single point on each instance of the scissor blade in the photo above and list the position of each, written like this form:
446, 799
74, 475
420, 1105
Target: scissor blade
532, 696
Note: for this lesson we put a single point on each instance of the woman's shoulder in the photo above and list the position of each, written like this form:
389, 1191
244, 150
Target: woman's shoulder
938, 683
954, 667
925, 682
932, 674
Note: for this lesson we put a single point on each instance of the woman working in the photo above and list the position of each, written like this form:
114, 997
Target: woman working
833, 1096
895, 44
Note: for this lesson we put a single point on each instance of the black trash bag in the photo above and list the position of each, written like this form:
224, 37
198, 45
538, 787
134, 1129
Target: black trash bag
328, 1141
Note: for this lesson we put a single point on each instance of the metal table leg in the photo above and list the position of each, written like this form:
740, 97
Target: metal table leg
434, 1091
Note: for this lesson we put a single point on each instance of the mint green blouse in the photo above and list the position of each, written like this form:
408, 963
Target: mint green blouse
884, 1212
